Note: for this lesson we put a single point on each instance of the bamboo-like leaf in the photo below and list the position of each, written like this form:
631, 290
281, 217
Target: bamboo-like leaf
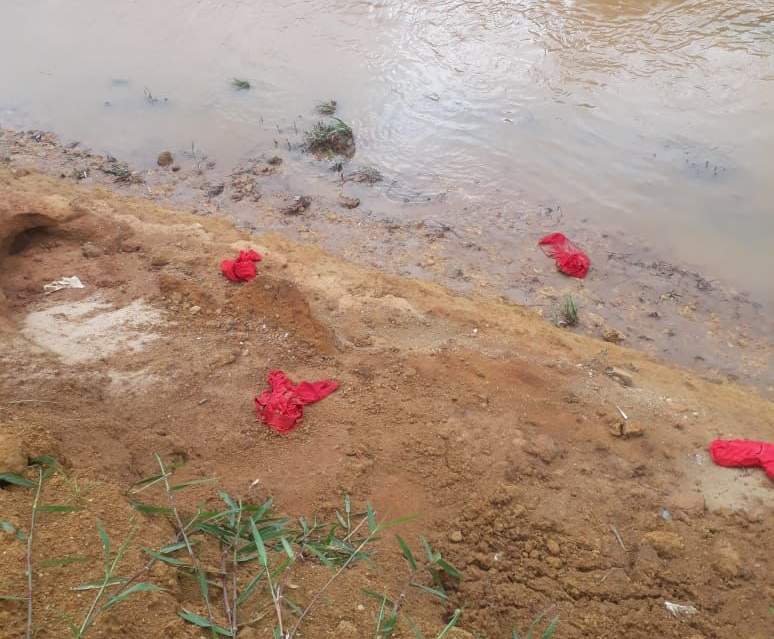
448, 568
105, 540
288, 550
150, 509
63, 561
248, 589
432, 591
407, 552
172, 561
192, 482
58, 508
117, 581
203, 622
550, 631
12, 598
371, 518
121, 596
386, 525
259, 544
17, 480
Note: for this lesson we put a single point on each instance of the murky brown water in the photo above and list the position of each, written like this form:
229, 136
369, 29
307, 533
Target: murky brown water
654, 117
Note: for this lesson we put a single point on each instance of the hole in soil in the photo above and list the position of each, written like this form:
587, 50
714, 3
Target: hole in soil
27, 238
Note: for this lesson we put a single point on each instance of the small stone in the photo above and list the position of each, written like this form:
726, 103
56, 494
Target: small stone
275, 160
214, 190
459, 633
691, 504
612, 335
666, 544
165, 158
622, 377
349, 202
553, 547
544, 448
554, 562
90, 250
175, 168
360, 607
346, 630
627, 429
13, 457
299, 204
456, 537
727, 562
195, 310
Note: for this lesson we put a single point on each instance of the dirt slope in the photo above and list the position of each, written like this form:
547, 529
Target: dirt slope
491, 424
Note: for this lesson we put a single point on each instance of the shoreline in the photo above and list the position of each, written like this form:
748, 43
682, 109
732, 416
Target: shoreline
631, 292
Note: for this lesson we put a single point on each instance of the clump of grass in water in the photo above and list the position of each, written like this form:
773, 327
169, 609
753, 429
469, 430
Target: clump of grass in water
567, 313
334, 137
239, 84
327, 108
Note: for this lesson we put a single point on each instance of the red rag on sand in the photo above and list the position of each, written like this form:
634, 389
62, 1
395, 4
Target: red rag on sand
242, 269
743, 453
570, 260
282, 405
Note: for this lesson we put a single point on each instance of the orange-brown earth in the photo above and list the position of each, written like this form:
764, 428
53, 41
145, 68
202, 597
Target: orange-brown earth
496, 428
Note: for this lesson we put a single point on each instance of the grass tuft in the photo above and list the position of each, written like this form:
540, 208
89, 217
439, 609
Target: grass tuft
333, 137
327, 108
240, 85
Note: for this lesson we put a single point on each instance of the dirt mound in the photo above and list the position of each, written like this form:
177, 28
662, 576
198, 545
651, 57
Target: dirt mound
492, 425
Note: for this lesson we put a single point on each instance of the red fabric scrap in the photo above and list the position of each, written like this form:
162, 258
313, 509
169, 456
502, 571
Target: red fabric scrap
570, 260
743, 453
281, 406
242, 269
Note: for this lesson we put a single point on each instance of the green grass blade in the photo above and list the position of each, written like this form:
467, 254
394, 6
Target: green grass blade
451, 624
150, 509
124, 594
288, 550
248, 589
407, 552
98, 584
259, 544
63, 561
371, 518
550, 631
172, 561
12, 598
448, 568
58, 508
203, 622
105, 540
16, 480
193, 482
386, 525
440, 594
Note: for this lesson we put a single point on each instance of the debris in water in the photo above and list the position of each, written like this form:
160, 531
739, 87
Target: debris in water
570, 260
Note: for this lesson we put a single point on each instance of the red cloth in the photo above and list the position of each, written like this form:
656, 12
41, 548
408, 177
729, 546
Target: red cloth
281, 406
743, 452
570, 260
242, 269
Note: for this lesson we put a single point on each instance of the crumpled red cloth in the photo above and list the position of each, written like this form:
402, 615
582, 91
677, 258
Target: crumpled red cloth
281, 406
570, 260
242, 269
743, 452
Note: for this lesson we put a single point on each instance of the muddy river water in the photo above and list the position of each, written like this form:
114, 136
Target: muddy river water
654, 117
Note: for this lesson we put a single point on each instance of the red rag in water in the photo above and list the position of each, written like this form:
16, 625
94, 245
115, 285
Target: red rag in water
242, 269
570, 260
281, 406
744, 453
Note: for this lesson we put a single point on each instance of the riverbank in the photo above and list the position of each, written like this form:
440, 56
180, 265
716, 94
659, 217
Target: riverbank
633, 295
501, 431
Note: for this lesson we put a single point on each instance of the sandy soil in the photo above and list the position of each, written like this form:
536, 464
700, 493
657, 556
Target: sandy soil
634, 292
490, 423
